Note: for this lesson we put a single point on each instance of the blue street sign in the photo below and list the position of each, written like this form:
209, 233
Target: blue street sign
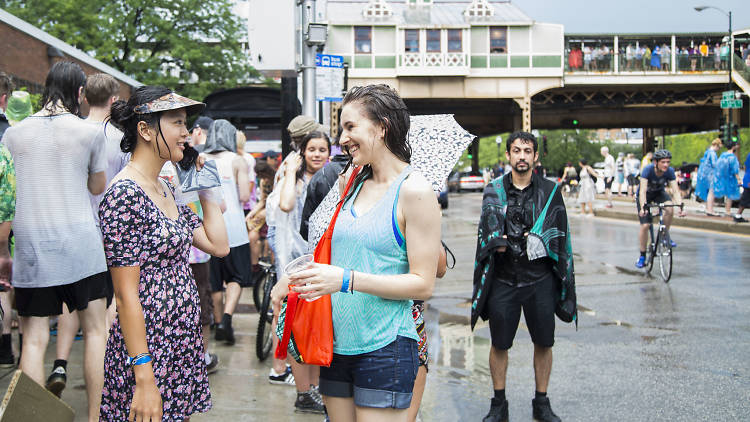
329, 60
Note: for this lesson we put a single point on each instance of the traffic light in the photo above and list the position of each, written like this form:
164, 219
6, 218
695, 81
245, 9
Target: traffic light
571, 123
723, 132
734, 135
470, 156
544, 144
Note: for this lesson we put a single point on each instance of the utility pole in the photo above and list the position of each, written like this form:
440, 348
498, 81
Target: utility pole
308, 59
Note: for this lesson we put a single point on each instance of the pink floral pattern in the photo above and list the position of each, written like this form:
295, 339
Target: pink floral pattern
137, 233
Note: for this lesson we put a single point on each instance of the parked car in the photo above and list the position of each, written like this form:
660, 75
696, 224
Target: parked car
470, 180
452, 182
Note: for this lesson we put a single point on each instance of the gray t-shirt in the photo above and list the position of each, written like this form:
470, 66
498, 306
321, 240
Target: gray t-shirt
57, 241
110, 136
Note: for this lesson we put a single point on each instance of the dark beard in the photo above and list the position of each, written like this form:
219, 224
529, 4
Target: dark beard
517, 170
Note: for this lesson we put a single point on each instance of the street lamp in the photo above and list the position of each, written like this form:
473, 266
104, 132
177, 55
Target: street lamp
499, 142
731, 40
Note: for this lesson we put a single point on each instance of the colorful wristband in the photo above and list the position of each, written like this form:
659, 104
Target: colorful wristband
140, 359
345, 281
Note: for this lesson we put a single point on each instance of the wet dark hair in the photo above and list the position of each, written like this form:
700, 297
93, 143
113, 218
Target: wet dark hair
525, 137
264, 171
303, 146
64, 81
382, 106
583, 161
123, 116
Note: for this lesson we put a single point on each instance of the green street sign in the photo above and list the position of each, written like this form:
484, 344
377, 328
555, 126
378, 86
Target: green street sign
731, 103
728, 95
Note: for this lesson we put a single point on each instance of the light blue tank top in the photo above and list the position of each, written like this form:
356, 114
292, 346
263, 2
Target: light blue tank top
370, 243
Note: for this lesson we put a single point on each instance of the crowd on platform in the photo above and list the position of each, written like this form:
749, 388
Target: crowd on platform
645, 56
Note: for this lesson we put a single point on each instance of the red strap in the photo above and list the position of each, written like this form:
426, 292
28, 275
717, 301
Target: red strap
291, 309
328, 234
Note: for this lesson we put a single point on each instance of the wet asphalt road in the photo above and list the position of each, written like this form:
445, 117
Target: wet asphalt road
644, 350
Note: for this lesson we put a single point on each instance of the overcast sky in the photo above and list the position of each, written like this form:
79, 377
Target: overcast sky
638, 16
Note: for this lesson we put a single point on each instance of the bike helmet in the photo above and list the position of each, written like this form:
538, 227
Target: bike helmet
662, 154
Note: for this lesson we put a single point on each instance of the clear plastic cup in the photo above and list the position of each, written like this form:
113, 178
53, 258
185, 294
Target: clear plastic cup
300, 264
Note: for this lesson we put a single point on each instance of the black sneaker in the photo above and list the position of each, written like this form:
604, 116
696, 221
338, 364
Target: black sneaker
7, 360
543, 411
225, 332
307, 403
498, 411
56, 381
740, 219
219, 332
212, 366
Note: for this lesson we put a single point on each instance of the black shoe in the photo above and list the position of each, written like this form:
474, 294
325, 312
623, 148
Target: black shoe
219, 334
498, 412
225, 332
56, 381
307, 402
212, 366
7, 360
543, 411
739, 219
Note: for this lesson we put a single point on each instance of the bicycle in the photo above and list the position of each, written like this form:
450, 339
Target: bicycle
264, 336
660, 246
258, 284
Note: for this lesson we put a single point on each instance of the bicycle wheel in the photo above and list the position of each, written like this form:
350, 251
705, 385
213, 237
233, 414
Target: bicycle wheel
664, 252
258, 292
264, 336
650, 254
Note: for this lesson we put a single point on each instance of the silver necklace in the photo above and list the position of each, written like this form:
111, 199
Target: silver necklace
163, 192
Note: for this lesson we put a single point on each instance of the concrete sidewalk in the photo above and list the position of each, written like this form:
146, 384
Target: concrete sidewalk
624, 209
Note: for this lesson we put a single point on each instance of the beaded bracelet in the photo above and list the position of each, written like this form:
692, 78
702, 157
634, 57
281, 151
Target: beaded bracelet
140, 359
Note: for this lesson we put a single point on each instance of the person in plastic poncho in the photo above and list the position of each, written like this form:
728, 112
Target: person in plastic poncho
727, 181
704, 189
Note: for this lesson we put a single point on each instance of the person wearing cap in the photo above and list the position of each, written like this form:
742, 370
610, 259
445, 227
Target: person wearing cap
154, 363
271, 158
199, 132
298, 128
59, 260
19, 107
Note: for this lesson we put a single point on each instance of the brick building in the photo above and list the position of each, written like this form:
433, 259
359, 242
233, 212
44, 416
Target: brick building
27, 53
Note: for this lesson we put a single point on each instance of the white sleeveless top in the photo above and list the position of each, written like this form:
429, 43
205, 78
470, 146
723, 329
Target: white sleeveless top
234, 218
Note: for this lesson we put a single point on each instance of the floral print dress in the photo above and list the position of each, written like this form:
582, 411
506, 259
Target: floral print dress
137, 233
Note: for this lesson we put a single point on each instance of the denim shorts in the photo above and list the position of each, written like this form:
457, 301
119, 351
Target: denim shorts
383, 378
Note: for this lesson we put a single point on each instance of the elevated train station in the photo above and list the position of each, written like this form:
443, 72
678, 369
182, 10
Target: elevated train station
500, 70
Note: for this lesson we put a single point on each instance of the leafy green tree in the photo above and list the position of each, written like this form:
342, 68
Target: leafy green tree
562, 146
192, 46
690, 147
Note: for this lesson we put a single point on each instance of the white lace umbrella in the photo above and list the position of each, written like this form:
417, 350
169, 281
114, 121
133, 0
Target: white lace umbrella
437, 142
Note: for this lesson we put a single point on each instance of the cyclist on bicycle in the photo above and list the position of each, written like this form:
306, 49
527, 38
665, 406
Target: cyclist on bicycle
655, 178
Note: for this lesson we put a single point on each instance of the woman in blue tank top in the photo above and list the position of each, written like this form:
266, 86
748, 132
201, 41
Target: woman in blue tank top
384, 253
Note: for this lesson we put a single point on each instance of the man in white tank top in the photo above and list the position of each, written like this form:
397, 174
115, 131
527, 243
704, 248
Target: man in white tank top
234, 269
